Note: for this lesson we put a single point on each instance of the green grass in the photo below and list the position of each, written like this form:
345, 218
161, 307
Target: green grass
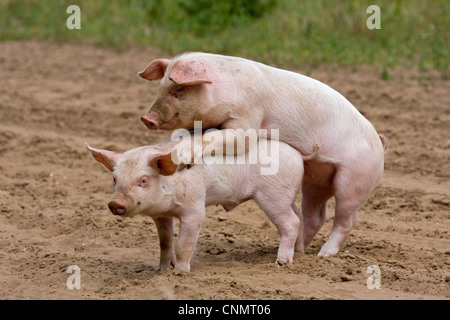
280, 32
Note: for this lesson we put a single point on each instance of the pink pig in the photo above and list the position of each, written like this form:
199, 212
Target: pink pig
146, 181
230, 93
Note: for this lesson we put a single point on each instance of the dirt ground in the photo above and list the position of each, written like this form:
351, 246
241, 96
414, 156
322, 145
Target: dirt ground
53, 196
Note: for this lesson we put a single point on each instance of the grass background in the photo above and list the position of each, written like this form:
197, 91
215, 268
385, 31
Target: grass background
279, 32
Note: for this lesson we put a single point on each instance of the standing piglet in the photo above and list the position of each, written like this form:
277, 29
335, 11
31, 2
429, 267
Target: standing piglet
235, 93
146, 181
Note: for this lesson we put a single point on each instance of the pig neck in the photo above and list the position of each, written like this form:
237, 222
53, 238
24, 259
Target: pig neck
236, 112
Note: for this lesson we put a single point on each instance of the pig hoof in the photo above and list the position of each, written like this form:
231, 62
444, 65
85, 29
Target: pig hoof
179, 272
326, 252
284, 263
180, 268
164, 268
300, 248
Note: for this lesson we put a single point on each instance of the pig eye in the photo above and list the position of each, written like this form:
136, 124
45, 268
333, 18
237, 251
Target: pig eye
114, 181
143, 182
178, 91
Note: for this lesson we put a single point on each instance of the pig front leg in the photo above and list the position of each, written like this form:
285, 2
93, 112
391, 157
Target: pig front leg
165, 232
190, 225
217, 142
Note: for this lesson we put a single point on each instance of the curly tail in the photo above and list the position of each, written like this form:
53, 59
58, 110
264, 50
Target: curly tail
312, 155
384, 142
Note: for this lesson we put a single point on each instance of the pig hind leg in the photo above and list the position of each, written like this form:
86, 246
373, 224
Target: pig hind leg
352, 190
299, 247
314, 210
283, 216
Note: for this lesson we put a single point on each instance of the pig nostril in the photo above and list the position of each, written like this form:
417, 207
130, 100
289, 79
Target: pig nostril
120, 210
150, 123
116, 208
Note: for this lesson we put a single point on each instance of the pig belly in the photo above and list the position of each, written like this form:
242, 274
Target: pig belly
319, 173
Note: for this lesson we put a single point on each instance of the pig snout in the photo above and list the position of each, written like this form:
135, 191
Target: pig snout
117, 208
151, 121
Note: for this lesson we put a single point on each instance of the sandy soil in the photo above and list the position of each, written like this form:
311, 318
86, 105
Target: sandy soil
53, 196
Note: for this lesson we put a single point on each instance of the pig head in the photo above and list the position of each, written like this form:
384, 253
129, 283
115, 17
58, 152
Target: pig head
134, 177
184, 95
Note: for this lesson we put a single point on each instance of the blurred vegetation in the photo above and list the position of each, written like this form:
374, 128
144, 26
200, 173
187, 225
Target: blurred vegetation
279, 32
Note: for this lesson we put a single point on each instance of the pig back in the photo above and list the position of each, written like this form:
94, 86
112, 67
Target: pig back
267, 164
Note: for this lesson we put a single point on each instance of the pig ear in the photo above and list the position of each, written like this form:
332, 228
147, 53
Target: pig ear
189, 73
163, 164
155, 69
106, 158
